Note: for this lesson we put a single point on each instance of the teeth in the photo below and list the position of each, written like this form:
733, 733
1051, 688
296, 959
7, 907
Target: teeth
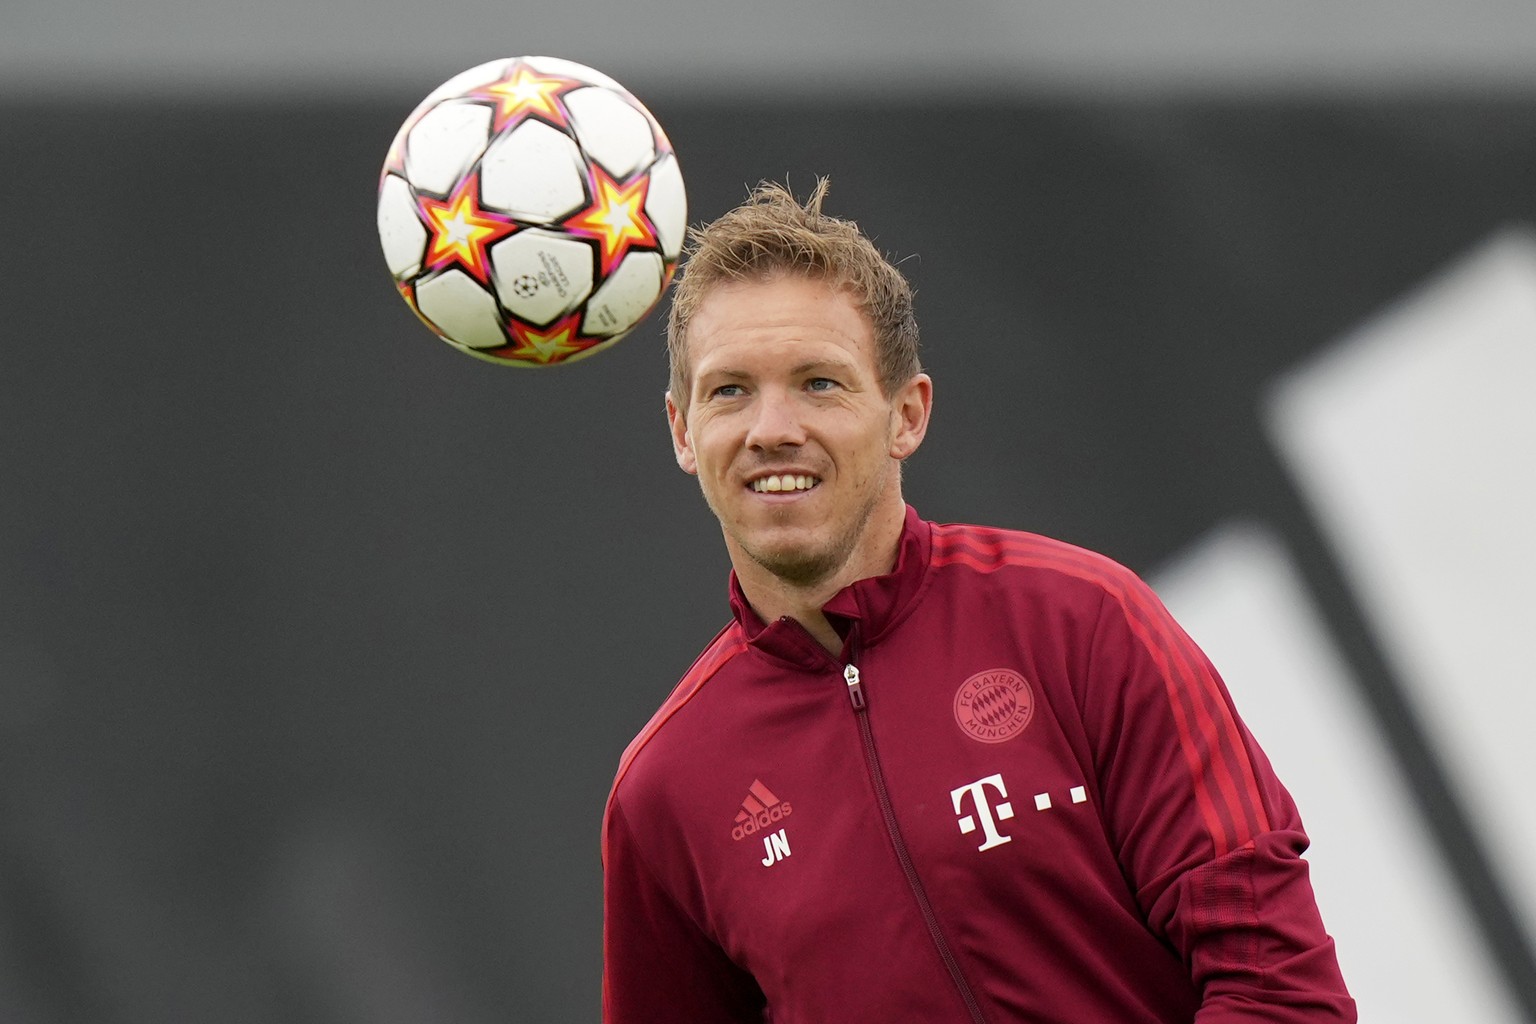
785, 482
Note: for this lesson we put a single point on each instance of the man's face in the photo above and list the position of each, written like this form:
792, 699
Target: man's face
796, 449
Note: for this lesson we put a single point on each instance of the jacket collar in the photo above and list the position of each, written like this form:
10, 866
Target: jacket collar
862, 612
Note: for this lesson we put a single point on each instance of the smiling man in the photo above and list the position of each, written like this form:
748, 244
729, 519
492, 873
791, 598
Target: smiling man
927, 773
797, 447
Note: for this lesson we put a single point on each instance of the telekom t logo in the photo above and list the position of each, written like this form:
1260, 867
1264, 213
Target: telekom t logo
977, 791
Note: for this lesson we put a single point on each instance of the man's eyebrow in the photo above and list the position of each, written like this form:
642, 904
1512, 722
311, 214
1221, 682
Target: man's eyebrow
819, 364
799, 369
724, 372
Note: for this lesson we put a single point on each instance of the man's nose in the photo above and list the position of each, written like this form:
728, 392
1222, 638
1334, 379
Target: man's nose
775, 421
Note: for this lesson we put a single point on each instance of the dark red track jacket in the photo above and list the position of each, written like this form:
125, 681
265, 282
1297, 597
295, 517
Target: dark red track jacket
1020, 794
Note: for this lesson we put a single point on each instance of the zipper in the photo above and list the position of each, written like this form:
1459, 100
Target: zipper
855, 688
877, 775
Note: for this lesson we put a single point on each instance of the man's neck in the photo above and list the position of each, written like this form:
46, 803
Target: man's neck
773, 598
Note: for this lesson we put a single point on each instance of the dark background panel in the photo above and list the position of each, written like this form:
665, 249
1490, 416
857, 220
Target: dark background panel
319, 642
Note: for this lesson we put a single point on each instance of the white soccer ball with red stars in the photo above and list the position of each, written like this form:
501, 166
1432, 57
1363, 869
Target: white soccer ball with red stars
531, 211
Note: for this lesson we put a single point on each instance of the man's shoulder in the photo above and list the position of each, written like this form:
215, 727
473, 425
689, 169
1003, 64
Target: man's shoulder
727, 645
988, 550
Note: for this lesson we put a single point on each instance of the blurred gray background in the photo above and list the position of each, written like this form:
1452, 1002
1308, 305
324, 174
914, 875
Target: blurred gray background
319, 642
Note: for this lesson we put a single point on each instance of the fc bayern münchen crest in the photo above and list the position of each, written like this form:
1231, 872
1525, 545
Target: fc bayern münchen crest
994, 705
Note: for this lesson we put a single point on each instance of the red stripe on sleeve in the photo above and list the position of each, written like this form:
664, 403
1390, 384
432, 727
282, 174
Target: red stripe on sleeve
1226, 787
1217, 724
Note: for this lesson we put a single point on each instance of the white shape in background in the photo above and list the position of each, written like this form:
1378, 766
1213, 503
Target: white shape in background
1415, 442
1406, 944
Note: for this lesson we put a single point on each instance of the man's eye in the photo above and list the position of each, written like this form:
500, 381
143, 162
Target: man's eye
727, 391
821, 384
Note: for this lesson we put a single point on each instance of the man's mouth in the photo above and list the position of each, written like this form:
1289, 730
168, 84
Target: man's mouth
782, 482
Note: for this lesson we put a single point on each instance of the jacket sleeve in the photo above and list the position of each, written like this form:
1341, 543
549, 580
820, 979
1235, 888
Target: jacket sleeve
1208, 836
658, 965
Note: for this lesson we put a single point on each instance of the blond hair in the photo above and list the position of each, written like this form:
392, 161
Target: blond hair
772, 234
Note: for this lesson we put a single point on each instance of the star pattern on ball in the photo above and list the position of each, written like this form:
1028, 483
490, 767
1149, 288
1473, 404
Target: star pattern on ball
407, 290
616, 218
463, 231
555, 343
525, 93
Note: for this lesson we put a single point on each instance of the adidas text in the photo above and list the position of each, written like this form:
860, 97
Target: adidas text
761, 820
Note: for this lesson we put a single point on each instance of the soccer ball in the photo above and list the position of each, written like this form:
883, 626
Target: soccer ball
531, 211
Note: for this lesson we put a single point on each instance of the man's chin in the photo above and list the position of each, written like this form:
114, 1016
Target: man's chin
800, 572
801, 565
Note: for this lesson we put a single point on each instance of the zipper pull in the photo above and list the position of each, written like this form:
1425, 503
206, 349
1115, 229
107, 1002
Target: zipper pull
855, 688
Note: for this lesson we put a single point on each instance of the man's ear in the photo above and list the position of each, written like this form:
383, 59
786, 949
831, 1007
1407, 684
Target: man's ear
682, 446
910, 408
